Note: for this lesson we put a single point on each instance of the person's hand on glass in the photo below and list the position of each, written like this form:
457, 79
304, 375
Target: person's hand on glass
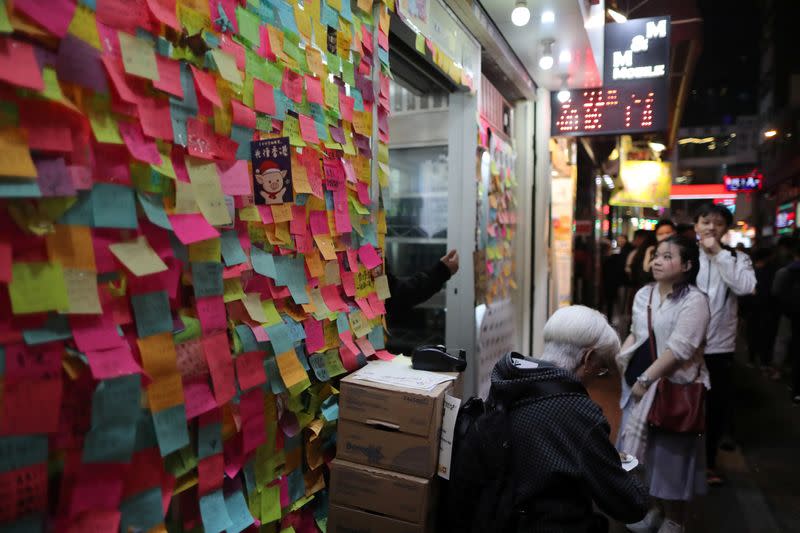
451, 261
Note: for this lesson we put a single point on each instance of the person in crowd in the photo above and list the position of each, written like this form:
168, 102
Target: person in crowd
634, 265
786, 289
679, 314
613, 279
783, 327
687, 230
562, 457
664, 230
760, 311
724, 275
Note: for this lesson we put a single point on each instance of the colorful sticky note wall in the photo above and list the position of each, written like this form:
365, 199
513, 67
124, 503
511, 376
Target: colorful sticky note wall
169, 342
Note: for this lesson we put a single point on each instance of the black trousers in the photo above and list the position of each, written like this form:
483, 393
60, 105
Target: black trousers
794, 353
719, 402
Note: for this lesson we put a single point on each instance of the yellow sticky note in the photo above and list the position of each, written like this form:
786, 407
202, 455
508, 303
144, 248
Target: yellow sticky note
249, 214
15, 157
72, 247
209, 250
104, 127
165, 168
84, 26
185, 202
252, 303
315, 266
419, 43
232, 290
365, 6
382, 287
293, 374
138, 257
84, 299
138, 56
281, 212
37, 287
326, 246
158, 355
303, 21
271, 313
226, 64
383, 22
315, 64
208, 191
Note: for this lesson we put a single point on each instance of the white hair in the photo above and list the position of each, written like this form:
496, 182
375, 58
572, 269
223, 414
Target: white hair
573, 330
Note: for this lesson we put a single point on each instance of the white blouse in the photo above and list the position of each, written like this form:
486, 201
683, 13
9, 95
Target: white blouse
679, 325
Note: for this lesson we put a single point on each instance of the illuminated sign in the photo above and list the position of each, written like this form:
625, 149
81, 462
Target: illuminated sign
752, 181
636, 50
609, 111
785, 219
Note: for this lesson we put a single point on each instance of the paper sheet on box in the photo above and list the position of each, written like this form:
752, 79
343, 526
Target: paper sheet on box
401, 376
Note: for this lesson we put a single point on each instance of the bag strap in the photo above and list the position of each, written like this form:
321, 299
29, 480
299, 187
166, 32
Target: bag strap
650, 336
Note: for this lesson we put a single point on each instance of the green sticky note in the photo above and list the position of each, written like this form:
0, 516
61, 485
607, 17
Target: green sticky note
420, 43
334, 63
152, 313
191, 329
333, 364
207, 279
248, 26
273, 317
104, 126
37, 287
113, 206
272, 75
348, 73
270, 504
5, 24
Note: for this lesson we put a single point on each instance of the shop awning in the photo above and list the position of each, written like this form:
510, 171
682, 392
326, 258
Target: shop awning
714, 191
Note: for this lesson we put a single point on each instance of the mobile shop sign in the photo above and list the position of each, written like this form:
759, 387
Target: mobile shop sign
636, 50
752, 181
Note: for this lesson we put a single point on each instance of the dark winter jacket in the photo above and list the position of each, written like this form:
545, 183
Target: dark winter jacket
562, 455
410, 291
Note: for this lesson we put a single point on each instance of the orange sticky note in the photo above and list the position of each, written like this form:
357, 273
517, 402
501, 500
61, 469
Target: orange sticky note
72, 247
15, 157
281, 212
158, 355
165, 392
293, 374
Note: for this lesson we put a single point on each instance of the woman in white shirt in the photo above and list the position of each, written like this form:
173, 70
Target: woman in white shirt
674, 462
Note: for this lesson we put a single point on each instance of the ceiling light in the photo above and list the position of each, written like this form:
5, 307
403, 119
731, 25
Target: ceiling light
520, 14
565, 56
548, 17
769, 134
546, 61
657, 147
617, 16
563, 95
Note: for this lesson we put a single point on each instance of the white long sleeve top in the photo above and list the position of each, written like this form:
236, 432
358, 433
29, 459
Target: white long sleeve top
723, 277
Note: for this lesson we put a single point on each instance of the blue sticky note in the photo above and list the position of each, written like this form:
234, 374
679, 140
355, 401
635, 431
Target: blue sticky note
55, 328
383, 56
19, 451
152, 313
273, 372
263, 262
116, 401
110, 444
296, 330
232, 251
214, 512
297, 486
19, 188
113, 206
80, 214
163, 47
291, 273
207, 279
249, 471
179, 114
209, 440
301, 355
238, 511
376, 338
187, 84
329, 205
142, 511
180, 250
33, 523
153, 209
358, 103
171, 432
282, 104
328, 15
342, 324
280, 338
248, 339
145, 433
286, 16
347, 14
330, 408
243, 136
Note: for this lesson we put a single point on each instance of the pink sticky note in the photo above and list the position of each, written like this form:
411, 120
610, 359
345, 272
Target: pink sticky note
315, 336
94, 332
207, 86
363, 193
235, 178
233, 48
254, 433
264, 97
319, 223
308, 129
250, 370
298, 226
330, 293
220, 365
376, 303
292, 85
260, 333
179, 163
140, 147
116, 72
113, 363
346, 104
266, 214
349, 172
97, 520
366, 38
341, 216
369, 256
265, 50
53, 15
164, 11
198, 397
314, 90
348, 283
169, 76
5, 262
152, 114
192, 227
18, 64
243, 115
211, 312
383, 39
365, 346
384, 355
54, 178
363, 304
81, 177
348, 357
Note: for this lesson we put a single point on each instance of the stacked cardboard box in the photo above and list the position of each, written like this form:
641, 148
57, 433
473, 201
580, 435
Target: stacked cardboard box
382, 480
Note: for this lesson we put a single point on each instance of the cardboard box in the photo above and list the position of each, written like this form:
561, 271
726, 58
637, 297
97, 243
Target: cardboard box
405, 410
348, 520
380, 491
391, 450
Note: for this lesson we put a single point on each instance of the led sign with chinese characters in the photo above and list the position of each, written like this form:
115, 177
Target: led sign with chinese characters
745, 182
608, 111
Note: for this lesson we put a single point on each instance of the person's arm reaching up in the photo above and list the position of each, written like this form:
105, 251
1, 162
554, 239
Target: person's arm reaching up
736, 272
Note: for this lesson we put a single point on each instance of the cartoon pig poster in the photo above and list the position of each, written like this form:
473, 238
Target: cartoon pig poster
272, 171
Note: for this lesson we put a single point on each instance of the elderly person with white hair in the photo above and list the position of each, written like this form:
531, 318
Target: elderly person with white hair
563, 459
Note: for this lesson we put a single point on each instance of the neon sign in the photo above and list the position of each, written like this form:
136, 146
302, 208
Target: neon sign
752, 181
